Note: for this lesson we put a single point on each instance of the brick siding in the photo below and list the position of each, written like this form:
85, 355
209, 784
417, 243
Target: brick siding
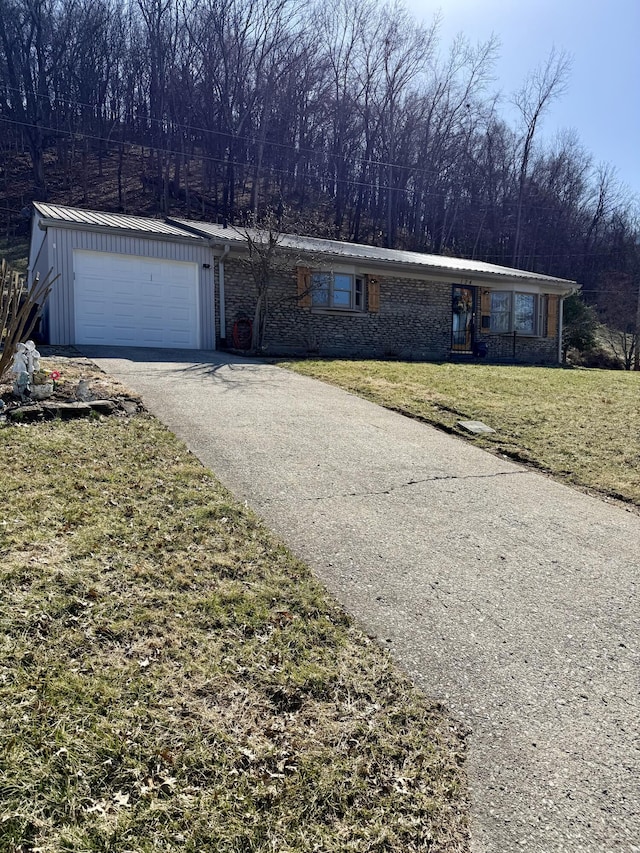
414, 322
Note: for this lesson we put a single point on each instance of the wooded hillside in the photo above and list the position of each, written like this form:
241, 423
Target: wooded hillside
347, 113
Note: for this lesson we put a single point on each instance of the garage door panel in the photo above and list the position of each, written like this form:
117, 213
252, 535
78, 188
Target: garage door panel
176, 289
148, 290
94, 335
132, 301
95, 302
156, 313
178, 312
153, 336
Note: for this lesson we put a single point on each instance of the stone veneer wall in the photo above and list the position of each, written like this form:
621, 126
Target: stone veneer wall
414, 322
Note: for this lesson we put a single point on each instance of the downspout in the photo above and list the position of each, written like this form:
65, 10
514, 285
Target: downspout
560, 314
223, 319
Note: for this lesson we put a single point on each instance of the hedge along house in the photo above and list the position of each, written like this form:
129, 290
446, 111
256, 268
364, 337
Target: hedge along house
126, 280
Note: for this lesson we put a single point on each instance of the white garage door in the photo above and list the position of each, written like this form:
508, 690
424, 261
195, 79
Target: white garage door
128, 301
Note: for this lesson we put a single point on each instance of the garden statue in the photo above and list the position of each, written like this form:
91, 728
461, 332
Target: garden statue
83, 392
19, 363
26, 362
33, 358
21, 385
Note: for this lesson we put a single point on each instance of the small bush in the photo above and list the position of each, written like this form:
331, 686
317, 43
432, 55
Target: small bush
20, 309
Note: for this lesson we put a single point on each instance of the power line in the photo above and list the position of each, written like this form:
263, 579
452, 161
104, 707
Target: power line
253, 140
413, 169
210, 159
352, 182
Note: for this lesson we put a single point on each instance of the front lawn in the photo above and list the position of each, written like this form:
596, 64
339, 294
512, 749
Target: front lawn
171, 678
582, 426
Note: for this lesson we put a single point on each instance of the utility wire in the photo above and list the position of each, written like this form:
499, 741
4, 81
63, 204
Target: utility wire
328, 179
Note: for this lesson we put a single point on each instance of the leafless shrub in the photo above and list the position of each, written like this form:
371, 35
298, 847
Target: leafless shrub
20, 308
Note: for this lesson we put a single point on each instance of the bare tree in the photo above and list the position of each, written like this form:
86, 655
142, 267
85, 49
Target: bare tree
262, 261
269, 258
25, 35
405, 53
541, 88
240, 43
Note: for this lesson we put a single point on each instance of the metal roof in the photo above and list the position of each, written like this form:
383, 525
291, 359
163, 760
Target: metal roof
416, 261
118, 221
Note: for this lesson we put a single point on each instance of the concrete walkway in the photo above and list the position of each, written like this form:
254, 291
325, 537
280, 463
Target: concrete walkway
509, 597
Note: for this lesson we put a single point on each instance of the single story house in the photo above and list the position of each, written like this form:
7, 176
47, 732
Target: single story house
132, 281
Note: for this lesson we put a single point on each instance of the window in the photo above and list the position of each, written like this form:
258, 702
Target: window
514, 312
339, 290
500, 312
524, 313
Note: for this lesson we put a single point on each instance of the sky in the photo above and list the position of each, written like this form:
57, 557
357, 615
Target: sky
602, 37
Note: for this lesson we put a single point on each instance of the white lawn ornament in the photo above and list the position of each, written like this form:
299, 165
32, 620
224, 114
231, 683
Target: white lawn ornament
83, 392
26, 361
33, 358
21, 384
20, 360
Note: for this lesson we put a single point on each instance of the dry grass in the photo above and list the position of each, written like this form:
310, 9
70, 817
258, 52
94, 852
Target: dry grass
171, 678
582, 426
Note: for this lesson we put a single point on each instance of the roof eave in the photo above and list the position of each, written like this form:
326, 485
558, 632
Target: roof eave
433, 273
445, 275
47, 222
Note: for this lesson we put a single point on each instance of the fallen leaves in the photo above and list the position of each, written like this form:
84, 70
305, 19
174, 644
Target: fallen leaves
209, 692
105, 807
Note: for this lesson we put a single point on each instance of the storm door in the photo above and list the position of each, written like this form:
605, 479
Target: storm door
462, 311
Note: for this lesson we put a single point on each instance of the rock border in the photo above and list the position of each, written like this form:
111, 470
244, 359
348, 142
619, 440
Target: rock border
49, 410
103, 395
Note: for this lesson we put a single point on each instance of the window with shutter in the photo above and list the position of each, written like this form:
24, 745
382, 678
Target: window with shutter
338, 291
373, 294
304, 287
506, 311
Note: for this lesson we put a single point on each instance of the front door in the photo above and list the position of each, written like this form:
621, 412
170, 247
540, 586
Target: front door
462, 309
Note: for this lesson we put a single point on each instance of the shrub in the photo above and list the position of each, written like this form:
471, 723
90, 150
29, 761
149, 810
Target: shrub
20, 309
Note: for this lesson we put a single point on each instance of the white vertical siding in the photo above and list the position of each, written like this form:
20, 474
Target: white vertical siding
65, 240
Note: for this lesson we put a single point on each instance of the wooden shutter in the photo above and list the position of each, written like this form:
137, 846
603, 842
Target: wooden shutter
304, 287
373, 294
485, 311
552, 316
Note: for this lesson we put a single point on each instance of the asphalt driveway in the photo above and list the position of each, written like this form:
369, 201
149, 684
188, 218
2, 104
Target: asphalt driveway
509, 597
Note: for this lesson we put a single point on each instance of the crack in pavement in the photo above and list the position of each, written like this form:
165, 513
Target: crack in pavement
391, 489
